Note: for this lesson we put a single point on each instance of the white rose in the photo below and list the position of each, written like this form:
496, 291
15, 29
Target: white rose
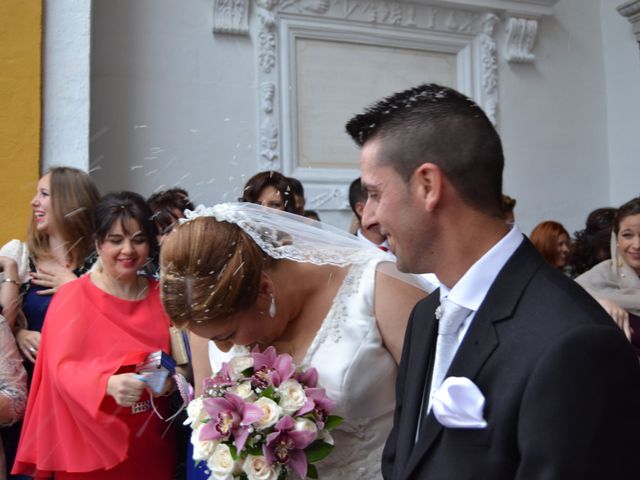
292, 396
271, 413
257, 468
195, 412
306, 425
244, 391
202, 449
239, 364
221, 463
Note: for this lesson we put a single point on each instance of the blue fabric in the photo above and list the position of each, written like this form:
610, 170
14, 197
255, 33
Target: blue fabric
196, 472
35, 306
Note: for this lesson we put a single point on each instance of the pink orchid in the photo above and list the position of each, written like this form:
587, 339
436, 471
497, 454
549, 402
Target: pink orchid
318, 403
271, 368
286, 446
308, 378
230, 415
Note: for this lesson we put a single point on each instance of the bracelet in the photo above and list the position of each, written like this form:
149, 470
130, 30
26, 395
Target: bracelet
11, 280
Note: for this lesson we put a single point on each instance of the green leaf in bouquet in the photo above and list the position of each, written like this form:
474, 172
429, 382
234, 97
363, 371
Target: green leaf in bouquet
247, 372
254, 450
317, 451
233, 451
269, 392
332, 422
312, 471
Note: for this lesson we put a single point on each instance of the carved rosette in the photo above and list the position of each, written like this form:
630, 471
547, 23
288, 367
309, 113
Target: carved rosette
231, 16
520, 38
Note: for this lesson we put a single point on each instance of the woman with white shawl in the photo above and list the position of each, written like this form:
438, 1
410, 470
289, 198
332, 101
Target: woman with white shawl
615, 283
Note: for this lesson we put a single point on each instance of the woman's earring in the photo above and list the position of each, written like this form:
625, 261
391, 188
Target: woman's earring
272, 307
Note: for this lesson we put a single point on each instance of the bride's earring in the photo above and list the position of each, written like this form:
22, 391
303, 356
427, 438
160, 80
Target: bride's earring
272, 307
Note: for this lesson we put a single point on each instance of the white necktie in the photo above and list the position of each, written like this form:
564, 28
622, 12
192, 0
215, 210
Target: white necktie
450, 317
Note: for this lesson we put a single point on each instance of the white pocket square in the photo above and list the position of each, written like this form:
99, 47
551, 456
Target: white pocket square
459, 403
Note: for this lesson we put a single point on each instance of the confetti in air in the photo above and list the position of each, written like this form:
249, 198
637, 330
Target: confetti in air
74, 212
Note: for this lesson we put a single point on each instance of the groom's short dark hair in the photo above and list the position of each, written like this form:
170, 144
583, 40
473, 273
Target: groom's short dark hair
436, 124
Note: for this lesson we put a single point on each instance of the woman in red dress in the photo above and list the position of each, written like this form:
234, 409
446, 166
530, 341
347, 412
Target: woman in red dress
89, 416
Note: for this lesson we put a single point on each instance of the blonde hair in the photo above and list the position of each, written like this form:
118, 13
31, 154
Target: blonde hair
209, 270
74, 196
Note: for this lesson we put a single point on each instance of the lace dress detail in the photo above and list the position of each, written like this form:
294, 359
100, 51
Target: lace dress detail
338, 313
13, 377
359, 373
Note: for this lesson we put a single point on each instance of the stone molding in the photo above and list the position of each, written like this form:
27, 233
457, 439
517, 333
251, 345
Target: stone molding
631, 10
231, 16
465, 26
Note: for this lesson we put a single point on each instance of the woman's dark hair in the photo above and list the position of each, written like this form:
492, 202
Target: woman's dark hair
125, 206
591, 245
165, 203
632, 207
256, 184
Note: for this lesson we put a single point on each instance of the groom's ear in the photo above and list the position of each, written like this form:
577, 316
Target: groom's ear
427, 179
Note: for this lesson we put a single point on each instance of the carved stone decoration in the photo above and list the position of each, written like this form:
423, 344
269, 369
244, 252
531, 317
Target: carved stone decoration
332, 197
460, 27
520, 38
269, 157
268, 92
231, 16
489, 62
631, 10
269, 115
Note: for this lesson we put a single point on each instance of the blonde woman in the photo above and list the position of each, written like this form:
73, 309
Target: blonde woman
59, 248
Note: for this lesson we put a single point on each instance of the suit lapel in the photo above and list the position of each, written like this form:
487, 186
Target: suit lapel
423, 342
481, 339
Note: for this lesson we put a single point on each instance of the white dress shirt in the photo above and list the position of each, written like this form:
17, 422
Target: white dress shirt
471, 290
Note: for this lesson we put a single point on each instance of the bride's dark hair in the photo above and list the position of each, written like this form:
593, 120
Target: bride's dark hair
209, 270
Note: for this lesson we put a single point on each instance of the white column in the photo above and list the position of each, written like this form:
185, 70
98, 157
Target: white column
66, 83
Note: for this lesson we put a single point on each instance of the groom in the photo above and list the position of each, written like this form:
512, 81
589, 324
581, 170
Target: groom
559, 381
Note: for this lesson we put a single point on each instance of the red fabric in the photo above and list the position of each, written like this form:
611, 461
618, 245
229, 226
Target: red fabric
70, 424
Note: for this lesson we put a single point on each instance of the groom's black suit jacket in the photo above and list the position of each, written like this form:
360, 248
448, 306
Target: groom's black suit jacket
561, 382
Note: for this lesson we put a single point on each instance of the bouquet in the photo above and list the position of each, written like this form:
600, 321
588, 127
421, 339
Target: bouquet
261, 418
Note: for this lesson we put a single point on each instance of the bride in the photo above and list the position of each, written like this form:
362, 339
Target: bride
241, 274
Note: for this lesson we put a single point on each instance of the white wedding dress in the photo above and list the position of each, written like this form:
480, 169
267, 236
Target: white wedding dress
357, 372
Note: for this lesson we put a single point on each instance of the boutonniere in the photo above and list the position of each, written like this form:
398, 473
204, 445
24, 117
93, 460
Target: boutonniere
459, 403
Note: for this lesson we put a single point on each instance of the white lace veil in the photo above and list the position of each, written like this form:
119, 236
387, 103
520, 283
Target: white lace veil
283, 235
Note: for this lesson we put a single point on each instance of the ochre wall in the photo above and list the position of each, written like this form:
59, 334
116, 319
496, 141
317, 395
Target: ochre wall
20, 110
